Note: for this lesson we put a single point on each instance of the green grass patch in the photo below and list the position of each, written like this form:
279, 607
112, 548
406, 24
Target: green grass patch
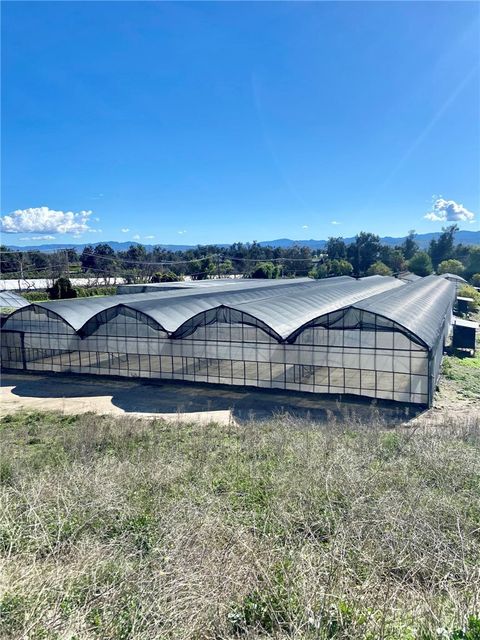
122, 528
465, 373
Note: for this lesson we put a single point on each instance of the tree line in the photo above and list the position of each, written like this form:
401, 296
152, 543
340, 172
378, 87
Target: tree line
366, 255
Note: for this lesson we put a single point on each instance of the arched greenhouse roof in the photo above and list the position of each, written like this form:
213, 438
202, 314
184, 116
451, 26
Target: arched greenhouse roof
12, 300
419, 307
282, 307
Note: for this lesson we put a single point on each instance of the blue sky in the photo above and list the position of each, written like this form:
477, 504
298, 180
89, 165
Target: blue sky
190, 123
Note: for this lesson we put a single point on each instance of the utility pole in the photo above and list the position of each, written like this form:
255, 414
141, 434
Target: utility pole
20, 262
67, 264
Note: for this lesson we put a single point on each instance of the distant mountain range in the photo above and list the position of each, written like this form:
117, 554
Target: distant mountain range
423, 240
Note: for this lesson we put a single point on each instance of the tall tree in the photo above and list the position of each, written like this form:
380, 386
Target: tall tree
421, 264
409, 246
265, 270
393, 258
363, 252
9, 260
473, 262
339, 268
61, 289
451, 266
87, 258
336, 249
442, 249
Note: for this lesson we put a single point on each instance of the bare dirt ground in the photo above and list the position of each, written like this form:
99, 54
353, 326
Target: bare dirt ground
451, 398
181, 402
458, 395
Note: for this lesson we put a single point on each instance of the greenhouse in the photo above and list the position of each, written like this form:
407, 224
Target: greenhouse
377, 337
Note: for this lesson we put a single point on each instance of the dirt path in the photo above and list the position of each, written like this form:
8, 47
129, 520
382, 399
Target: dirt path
177, 401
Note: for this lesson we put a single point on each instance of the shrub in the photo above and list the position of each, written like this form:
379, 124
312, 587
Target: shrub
421, 264
61, 289
35, 296
379, 269
165, 276
265, 270
475, 280
451, 266
467, 291
331, 268
87, 292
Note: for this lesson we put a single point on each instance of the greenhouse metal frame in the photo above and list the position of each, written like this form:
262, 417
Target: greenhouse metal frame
377, 337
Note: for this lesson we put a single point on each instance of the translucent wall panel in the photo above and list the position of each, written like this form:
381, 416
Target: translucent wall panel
344, 360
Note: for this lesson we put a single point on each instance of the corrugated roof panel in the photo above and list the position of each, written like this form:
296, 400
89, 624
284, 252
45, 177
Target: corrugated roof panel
286, 314
285, 305
171, 308
420, 306
12, 300
453, 277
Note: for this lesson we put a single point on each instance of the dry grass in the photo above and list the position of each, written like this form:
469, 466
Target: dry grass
115, 528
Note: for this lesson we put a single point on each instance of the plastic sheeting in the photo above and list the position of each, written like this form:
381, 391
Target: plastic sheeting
281, 305
12, 300
374, 337
420, 307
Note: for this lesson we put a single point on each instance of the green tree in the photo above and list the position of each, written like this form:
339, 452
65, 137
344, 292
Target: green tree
165, 276
331, 268
9, 260
451, 266
475, 280
339, 268
87, 258
392, 257
409, 247
421, 264
467, 291
363, 252
105, 261
379, 269
473, 262
442, 249
226, 267
265, 270
320, 271
202, 269
61, 289
336, 249
38, 260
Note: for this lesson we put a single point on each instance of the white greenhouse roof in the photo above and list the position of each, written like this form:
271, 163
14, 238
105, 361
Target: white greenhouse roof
281, 307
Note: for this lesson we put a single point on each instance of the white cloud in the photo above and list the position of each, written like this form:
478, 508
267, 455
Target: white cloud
124, 230
449, 211
182, 232
304, 226
43, 219
39, 238
136, 237
335, 222
149, 237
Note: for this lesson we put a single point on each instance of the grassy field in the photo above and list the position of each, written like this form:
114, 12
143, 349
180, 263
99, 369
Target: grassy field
461, 375
116, 528
465, 375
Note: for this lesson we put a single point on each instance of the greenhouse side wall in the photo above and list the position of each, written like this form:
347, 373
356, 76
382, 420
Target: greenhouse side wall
369, 362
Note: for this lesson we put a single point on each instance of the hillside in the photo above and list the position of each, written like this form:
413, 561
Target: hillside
423, 240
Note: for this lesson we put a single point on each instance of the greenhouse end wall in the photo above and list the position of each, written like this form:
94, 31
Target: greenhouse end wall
340, 353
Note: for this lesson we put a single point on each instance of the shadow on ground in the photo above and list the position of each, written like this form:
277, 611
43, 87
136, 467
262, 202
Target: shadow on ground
175, 398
